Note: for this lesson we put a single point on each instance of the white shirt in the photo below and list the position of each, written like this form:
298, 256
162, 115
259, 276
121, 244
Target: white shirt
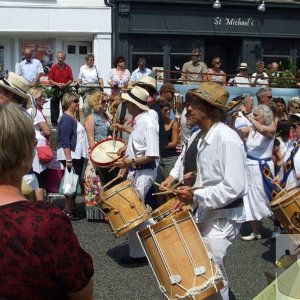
137, 74
241, 122
221, 169
89, 75
261, 82
242, 81
29, 70
144, 138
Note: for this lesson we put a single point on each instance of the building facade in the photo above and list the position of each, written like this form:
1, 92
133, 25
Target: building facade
77, 27
165, 32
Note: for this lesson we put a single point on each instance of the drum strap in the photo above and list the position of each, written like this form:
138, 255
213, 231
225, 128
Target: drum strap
289, 165
267, 176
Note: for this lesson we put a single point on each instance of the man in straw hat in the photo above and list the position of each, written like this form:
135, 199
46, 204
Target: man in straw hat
221, 173
140, 159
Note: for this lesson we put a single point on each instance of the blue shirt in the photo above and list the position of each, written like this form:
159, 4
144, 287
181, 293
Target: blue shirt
29, 70
137, 74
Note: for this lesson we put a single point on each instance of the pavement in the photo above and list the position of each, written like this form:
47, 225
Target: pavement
247, 262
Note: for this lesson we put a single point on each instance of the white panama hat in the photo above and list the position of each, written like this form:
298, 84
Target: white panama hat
137, 96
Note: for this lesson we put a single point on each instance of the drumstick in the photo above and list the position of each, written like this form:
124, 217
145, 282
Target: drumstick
158, 184
114, 131
111, 152
192, 188
113, 167
109, 155
177, 184
112, 181
280, 188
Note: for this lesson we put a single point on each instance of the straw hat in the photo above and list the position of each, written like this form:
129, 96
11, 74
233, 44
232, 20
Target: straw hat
214, 94
243, 66
137, 96
146, 81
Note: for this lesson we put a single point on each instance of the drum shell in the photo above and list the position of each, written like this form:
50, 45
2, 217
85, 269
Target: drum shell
112, 158
287, 210
123, 208
177, 258
165, 210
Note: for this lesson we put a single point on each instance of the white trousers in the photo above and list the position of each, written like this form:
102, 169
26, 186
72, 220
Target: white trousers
142, 181
218, 236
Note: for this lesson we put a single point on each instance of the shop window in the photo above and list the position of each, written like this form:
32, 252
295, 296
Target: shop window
146, 45
83, 50
276, 47
71, 49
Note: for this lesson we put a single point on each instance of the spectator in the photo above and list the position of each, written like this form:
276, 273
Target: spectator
167, 93
293, 106
141, 71
281, 108
264, 96
260, 77
242, 79
60, 76
192, 71
215, 74
119, 76
42, 135
30, 68
72, 145
48, 262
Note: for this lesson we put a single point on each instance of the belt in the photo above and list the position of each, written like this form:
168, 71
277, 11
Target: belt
236, 203
150, 165
259, 159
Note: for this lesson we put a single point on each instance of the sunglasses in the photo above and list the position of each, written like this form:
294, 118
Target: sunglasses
296, 107
218, 62
195, 55
295, 126
76, 101
269, 97
105, 101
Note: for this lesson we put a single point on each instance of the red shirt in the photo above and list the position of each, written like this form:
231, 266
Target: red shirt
40, 256
60, 75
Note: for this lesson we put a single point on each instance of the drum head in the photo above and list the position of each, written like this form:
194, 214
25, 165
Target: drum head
103, 154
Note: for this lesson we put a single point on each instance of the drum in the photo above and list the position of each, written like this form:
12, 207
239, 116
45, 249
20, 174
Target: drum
104, 154
123, 208
287, 210
165, 210
179, 258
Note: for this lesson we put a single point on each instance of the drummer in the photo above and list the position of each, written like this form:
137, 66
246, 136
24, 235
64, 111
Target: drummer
220, 170
140, 160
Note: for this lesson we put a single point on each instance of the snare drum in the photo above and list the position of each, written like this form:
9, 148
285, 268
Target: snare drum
123, 208
287, 210
165, 210
103, 154
179, 258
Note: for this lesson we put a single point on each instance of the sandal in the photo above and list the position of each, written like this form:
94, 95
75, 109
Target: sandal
71, 216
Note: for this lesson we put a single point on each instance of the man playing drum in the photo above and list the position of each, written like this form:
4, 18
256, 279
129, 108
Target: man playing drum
222, 173
140, 158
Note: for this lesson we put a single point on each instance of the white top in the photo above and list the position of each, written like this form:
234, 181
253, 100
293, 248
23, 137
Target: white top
118, 80
37, 166
221, 170
241, 122
261, 82
242, 81
144, 138
291, 180
137, 74
185, 130
89, 75
283, 145
81, 149
29, 70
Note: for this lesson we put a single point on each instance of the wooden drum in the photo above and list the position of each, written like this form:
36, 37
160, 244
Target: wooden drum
287, 210
103, 154
123, 208
179, 258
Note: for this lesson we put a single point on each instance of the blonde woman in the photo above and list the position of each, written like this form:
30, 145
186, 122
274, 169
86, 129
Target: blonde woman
42, 135
38, 237
72, 146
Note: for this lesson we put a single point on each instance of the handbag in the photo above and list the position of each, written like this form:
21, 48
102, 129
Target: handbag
44, 153
69, 185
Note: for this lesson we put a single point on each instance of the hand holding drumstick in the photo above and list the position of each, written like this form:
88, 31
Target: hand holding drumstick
184, 196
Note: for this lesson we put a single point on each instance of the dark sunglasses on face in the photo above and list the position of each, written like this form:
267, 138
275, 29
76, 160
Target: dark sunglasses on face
218, 62
105, 101
269, 97
295, 126
295, 107
195, 55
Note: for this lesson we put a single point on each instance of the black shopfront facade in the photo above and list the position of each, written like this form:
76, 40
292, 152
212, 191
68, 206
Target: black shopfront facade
165, 32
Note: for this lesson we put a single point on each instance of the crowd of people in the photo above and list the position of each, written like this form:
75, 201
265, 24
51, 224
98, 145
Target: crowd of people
236, 157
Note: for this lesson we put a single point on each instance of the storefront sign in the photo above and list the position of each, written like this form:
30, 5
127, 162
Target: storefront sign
234, 22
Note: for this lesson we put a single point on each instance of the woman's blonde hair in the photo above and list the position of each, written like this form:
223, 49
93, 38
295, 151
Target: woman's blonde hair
36, 92
114, 105
68, 99
17, 142
95, 100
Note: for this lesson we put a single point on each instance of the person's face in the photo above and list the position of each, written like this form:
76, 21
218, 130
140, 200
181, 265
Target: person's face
60, 58
243, 71
90, 62
275, 67
294, 108
197, 113
28, 55
249, 105
195, 57
259, 117
266, 98
75, 105
217, 63
280, 107
130, 108
166, 112
296, 128
121, 63
40, 101
260, 68
105, 103
5, 95
142, 64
